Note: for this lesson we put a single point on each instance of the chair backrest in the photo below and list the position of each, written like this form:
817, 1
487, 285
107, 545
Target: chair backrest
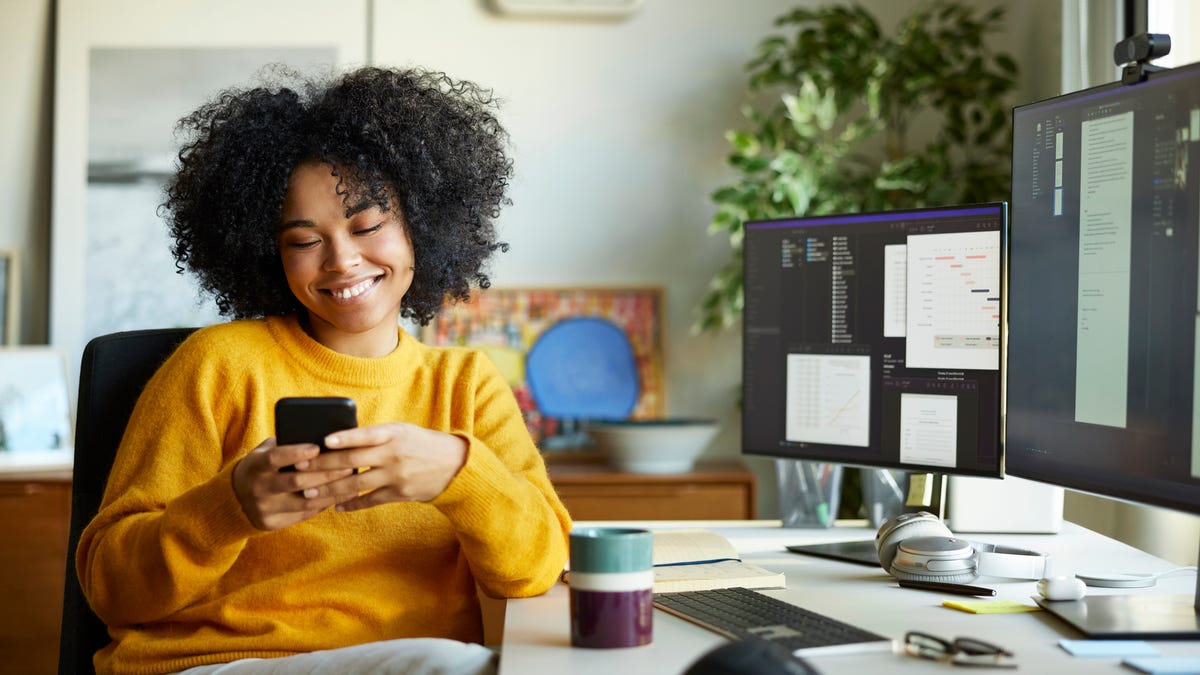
113, 371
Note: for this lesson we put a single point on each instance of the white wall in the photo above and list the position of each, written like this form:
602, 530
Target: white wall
1181, 20
25, 51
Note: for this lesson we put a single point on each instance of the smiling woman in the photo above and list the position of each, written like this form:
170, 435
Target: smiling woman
349, 267
317, 215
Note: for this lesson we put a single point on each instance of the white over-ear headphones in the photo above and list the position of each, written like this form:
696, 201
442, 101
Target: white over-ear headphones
919, 547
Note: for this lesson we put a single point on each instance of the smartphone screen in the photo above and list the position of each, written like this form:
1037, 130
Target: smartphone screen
306, 419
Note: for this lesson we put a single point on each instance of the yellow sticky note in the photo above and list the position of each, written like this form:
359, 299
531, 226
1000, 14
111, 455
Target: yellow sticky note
990, 606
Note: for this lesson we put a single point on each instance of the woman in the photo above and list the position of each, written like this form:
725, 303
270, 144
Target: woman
317, 217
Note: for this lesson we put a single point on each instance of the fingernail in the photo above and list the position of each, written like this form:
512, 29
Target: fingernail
332, 441
311, 492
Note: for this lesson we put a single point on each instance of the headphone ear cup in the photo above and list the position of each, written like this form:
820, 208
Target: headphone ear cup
935, 558
906, 526
960, 578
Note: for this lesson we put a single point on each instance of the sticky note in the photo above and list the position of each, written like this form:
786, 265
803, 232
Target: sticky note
990, 606
1108, 648
1165, 665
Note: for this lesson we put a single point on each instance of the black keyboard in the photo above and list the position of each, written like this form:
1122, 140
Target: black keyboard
740, 613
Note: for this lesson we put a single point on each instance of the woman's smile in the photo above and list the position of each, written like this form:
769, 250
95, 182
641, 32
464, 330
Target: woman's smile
347, 295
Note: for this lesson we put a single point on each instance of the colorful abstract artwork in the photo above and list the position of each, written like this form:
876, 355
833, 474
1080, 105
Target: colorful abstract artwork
580, 369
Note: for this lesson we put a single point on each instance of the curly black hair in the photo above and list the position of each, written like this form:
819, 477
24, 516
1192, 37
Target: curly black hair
410, 138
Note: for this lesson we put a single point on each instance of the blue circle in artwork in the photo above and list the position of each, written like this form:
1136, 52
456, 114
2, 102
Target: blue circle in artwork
583, 368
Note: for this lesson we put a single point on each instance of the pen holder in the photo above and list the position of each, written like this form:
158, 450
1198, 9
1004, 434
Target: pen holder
612, 581
809, 492
882, 494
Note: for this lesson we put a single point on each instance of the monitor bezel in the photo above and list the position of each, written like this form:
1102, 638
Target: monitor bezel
1148, 497
818, 220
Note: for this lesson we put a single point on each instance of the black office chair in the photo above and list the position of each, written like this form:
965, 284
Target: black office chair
113, 372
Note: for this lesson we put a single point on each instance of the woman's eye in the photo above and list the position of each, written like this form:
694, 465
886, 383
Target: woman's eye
302, 244
370, 230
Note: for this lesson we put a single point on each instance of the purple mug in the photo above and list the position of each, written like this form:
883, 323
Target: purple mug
612, 580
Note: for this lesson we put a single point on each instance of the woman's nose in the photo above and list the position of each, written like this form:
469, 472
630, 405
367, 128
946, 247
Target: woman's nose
341, 255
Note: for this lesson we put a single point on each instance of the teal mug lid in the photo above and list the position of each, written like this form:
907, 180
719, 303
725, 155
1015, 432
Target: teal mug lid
611, 549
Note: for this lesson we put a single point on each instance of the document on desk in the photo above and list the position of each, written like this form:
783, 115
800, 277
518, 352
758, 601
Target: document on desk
702, 560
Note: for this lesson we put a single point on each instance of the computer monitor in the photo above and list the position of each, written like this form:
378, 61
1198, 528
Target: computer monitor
1103, 355
873, 339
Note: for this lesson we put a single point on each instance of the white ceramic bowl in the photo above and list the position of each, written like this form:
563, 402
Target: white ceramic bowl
653, 446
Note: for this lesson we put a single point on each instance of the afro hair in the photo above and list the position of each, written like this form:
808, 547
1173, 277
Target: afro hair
411, 138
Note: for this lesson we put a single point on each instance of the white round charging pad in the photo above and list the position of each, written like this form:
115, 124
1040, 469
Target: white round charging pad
1118, 580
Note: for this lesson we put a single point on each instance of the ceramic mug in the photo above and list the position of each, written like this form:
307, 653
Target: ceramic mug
611, 580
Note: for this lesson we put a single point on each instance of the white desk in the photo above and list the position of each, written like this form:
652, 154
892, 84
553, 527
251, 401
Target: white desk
537, 630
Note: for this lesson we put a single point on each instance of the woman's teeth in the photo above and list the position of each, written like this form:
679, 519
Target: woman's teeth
355, 290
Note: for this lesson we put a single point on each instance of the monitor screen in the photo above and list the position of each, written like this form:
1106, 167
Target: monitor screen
873, 339
1103, 351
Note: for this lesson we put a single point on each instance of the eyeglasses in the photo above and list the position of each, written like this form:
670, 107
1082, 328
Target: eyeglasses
961, 652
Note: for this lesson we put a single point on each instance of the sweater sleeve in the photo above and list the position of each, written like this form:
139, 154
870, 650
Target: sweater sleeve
510, 522
170, 524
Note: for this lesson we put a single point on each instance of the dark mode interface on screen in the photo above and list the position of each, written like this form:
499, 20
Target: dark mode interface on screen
1103, 310
874, 338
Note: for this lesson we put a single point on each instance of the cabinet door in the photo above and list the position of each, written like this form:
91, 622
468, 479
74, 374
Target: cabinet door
647, 501
592, 490
34, 518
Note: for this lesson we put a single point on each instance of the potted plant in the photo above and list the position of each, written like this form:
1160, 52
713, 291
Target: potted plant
847, 118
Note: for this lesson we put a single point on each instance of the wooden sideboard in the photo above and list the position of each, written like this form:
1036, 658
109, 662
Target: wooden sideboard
593, 490
35, 515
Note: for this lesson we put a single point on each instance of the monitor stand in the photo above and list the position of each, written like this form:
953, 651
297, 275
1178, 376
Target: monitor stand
926, 492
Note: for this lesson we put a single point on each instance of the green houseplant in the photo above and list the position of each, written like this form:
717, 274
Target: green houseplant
846, 118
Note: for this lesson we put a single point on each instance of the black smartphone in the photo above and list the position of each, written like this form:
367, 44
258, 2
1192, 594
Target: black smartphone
309, 419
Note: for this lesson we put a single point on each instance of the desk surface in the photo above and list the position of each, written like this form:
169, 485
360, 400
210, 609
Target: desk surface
537, 630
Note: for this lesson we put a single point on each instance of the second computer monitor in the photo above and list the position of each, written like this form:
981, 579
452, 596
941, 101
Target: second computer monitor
873, 339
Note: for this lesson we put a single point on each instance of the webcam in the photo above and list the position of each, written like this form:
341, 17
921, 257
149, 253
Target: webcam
1141, 48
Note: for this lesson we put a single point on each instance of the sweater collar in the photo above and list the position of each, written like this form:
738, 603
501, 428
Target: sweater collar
326, 364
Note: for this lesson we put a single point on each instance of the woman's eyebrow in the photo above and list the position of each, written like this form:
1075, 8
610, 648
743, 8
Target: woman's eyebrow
304, 222
361, 206
299, 222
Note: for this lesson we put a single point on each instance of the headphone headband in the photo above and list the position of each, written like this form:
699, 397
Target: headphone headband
1009, 561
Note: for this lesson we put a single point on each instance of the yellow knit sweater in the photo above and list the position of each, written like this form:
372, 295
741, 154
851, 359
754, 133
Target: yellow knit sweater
181, 577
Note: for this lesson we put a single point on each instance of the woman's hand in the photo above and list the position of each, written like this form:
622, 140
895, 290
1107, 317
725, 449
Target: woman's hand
404, 462
272, 499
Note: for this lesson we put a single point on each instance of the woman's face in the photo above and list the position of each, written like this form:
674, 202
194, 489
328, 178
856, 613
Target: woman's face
349, 271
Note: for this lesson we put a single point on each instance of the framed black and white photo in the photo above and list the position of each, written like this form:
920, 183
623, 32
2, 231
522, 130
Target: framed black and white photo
127, 71
34, 413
